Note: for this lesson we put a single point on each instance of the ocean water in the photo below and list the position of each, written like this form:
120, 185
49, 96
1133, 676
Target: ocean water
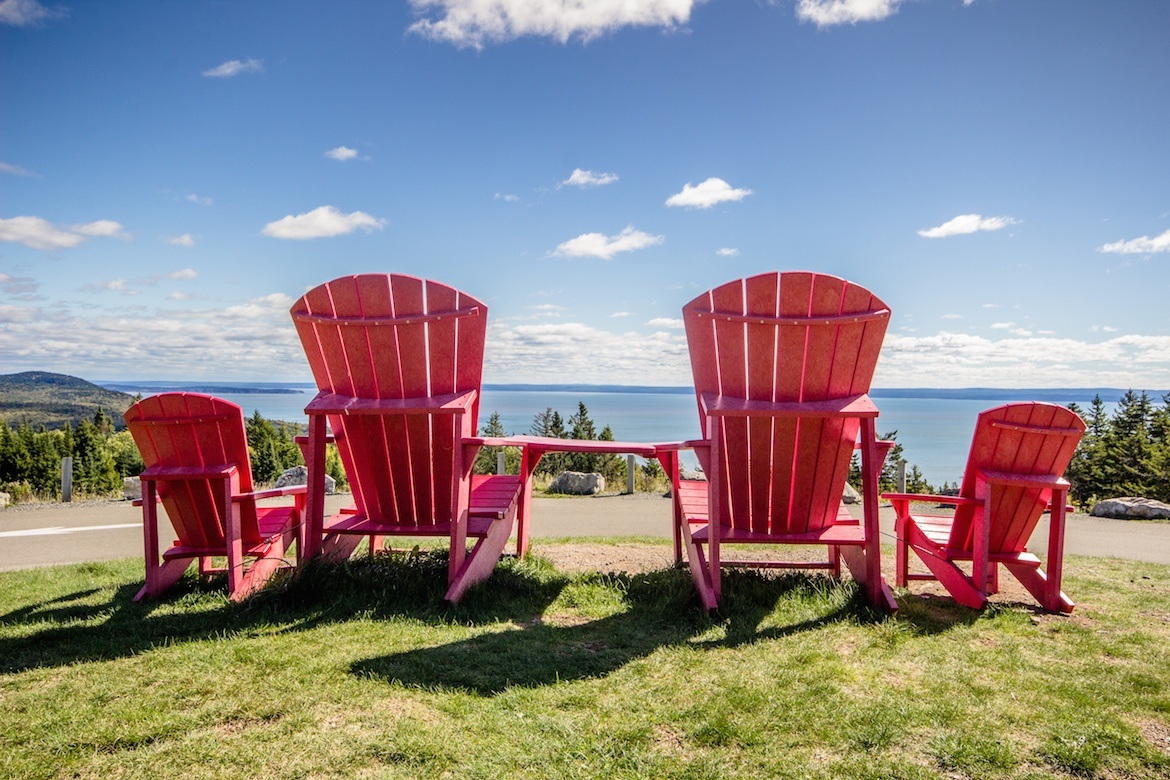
933, 426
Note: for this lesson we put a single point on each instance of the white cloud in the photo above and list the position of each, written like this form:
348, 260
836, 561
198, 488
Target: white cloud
1139, 246
186, 273
666, 322
588, 179
966, 360
246, 340
574, 352
103, 228
322, 222
15, 170
618, 314
507, 198
825, 13
234, 68
17, 285
605, 247
38, 233
202, 201
476, 22
547, 310
179, 296
21, 13
967, 223
952, 316
727, 252
341, 153
706, 194
186, 240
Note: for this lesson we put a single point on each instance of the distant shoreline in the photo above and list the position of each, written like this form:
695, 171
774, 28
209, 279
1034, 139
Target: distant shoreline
1053, 394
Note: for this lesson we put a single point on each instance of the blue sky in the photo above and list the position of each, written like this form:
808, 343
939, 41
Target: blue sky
174, 175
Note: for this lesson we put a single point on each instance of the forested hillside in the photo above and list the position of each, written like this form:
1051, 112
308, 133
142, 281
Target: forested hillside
52, 400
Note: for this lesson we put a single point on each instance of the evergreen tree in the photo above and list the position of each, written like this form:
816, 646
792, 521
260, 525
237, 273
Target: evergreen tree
1128, 446
1087, 471
550, 423
485, 459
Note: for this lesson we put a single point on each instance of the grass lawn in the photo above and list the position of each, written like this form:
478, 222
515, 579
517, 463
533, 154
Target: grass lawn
359, 670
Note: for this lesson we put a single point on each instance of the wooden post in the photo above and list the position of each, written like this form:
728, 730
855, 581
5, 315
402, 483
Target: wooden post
66, 479
501, 462
630, 474
901, 476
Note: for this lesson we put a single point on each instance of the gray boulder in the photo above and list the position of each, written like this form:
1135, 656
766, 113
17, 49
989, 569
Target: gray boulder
299, 475
577, 484
1131, 508
850, 495
131, 488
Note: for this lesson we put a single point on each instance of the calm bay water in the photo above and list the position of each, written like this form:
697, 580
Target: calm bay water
935, 432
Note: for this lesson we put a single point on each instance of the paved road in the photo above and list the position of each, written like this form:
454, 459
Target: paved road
48, 534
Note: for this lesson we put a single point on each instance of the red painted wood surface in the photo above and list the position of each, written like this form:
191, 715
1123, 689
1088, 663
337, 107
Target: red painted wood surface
1018, 455
398, 361
195, 450
782, 363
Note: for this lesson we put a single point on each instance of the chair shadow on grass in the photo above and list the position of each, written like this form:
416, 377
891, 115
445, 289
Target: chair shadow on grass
660, 609
76, 627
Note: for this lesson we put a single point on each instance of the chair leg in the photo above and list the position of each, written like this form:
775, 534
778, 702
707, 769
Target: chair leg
481, 562
1040, 585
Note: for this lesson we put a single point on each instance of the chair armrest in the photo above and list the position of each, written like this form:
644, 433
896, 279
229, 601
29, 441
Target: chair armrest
291, 490
156, 473
1007, 479
689, 444
931, 499
333, 403
713, 405
303, 441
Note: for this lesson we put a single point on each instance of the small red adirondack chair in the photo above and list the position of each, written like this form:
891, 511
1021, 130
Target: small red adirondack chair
398, 362
782, 364
1019, 454
195, 450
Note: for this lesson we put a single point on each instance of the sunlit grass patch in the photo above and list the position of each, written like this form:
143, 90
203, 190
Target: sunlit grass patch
360, 669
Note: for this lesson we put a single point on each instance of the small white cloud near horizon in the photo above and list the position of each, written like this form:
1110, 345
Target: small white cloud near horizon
234, 68
706, 194
473, 23
1103, 329
727, 252
618, 314
507, 198
965, 224
201, 200
1139, 246
186, 240
341, 153
605, 247
186, 273
321, 222
22, 13
16, 170
826, 13
588, 179
666, 322
952, 316
37, 233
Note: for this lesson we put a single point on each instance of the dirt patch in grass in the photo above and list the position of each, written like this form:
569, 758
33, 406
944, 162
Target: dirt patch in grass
1157, 734
629, 558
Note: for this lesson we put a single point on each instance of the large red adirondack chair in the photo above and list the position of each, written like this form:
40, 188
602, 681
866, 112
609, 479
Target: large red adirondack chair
782, 363
195, 450
1015, 471
398, 362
